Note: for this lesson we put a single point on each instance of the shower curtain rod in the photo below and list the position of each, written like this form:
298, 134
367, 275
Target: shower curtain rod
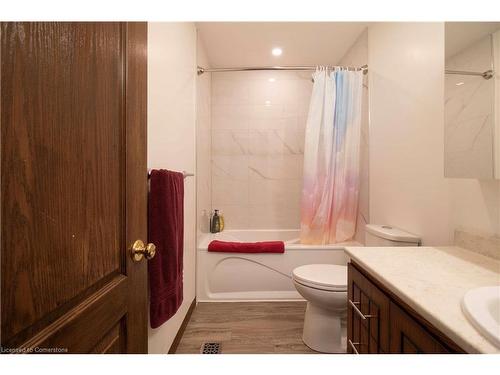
486, 75
201, 70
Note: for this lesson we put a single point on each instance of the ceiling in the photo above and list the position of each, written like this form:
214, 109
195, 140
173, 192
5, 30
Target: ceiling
237, 44
459, 35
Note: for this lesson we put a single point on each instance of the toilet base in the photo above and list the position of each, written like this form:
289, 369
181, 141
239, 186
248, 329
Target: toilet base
324, 331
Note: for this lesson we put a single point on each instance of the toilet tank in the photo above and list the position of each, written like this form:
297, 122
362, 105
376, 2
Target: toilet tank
386, 235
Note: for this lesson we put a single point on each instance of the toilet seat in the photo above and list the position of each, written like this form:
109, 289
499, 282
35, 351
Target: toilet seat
328, 277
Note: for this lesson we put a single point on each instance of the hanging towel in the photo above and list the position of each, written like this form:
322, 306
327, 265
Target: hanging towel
166, 231
247, 247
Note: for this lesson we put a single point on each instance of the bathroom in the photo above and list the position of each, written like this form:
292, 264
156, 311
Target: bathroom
250, 135
258, 187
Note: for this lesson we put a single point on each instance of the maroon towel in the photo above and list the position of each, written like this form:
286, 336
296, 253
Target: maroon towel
247, 247
166, 231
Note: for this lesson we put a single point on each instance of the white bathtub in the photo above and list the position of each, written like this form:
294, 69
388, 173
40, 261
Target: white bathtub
261, 277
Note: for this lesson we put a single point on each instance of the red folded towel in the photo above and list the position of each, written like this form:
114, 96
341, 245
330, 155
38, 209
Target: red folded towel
247, 247
166, 231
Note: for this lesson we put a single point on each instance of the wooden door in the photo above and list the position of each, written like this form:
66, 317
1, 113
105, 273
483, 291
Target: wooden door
74, 187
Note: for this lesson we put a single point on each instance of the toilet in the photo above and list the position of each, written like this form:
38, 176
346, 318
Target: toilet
386, 235
324, 287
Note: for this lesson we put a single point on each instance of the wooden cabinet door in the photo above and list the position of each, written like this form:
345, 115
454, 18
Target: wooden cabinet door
74, 186
409, 337
368, 315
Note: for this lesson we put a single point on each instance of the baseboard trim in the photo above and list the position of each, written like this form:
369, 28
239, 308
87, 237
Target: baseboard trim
180, 332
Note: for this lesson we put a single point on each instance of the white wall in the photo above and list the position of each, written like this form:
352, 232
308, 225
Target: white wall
171, 141
476, 206
406, 78
407, 184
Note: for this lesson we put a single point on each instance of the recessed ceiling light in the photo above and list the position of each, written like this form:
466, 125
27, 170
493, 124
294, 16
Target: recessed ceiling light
268, 103
459, 83
277, 51
272, 79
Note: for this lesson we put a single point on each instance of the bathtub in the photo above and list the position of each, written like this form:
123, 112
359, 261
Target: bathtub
258, 277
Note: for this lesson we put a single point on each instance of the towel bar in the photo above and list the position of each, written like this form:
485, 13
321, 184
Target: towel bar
186, 174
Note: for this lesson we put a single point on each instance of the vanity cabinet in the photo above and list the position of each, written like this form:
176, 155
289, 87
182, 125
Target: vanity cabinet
378, 322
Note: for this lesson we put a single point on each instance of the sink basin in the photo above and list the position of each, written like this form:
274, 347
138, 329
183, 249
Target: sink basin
482, 307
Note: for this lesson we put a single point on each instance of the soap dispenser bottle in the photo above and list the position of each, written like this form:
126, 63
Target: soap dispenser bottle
215, 227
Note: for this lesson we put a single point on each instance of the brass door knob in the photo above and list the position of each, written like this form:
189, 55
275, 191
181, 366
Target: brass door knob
139, 250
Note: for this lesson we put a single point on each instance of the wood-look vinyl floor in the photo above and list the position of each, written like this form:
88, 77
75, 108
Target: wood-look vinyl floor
246, 328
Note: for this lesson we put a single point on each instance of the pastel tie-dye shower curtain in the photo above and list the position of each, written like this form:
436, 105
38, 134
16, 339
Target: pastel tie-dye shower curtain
331, 158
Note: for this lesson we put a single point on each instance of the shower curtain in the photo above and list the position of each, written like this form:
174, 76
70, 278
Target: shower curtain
331, 157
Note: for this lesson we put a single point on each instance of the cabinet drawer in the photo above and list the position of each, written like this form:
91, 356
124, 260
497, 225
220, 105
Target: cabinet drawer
368, 315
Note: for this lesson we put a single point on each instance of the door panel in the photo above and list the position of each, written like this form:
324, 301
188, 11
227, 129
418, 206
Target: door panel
409, 337
73, 130
111, 342
86, 324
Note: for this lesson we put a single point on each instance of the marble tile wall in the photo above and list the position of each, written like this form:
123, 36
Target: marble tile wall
203, 143
469, 114
258, 126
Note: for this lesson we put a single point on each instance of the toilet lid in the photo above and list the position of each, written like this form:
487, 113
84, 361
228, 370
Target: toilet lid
322, 276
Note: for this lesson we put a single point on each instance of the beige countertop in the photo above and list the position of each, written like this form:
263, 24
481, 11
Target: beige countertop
432, 281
